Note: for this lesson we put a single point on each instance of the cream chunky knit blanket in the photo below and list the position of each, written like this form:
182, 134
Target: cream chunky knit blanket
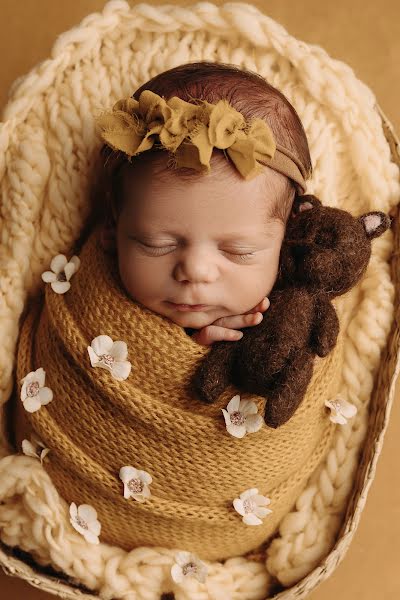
48, 145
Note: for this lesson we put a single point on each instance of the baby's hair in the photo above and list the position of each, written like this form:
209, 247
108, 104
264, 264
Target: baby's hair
247, 91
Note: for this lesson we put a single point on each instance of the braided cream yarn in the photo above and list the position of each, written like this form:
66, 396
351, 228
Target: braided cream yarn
48, 146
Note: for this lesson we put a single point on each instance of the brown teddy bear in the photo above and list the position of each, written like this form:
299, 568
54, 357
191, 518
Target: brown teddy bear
324, 253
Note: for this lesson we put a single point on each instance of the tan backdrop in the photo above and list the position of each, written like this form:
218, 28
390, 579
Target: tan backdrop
365, 34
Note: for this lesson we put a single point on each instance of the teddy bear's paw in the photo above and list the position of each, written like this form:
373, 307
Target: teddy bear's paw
279, 410
208, 385
213, 375
273, 416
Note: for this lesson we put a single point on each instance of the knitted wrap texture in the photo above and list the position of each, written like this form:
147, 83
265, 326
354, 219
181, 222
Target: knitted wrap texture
95, 424
48, 145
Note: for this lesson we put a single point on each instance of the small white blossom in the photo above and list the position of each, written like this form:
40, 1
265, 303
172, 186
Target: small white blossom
341, 410
61, 272
136, 483
252, 506
35, 448
84, 520
33, 393
241, 417
188, 565
105, 353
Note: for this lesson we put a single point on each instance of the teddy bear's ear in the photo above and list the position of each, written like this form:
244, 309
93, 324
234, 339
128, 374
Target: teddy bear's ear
375, 223
306, 202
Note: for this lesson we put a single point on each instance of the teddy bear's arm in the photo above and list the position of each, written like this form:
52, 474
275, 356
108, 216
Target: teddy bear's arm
325, 327
213, 374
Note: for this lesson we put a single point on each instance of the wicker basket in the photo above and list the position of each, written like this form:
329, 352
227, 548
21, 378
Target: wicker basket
18, 563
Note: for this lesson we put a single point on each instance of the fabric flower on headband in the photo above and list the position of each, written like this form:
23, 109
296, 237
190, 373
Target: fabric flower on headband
189, 131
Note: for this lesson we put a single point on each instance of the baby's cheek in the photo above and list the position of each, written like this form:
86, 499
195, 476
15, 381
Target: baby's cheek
127, 270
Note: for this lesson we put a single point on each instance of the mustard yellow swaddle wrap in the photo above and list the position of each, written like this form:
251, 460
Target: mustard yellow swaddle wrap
95, 424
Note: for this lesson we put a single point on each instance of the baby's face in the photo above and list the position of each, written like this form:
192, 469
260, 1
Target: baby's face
198, 242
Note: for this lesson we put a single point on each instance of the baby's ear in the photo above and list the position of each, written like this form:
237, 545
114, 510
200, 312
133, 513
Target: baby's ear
108, 238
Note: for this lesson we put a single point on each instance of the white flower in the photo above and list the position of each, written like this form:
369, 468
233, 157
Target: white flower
341, 410
61, 272
241, 417
33, 394
251, 505
35, 448
188, 565
84, 520
135, 483
105, 353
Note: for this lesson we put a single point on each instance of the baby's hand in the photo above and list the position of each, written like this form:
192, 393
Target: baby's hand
224, 328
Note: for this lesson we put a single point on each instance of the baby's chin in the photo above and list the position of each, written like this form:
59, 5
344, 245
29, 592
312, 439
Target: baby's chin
194, 319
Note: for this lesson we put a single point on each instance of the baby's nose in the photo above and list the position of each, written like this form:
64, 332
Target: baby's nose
196, 267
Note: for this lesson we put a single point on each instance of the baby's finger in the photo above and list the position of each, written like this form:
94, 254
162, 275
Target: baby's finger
239, 321
213, 333
260, 307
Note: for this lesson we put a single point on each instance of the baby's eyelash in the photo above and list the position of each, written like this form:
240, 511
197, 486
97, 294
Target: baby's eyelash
241, 256
244, 256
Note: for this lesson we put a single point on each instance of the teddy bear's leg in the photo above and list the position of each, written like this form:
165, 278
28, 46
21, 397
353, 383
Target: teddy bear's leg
289, 391
325, 328
213, 374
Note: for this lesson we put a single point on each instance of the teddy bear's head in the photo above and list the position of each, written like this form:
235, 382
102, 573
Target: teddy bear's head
325, 248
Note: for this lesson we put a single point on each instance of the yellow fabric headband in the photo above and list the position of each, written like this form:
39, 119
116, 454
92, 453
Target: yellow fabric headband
191, 131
